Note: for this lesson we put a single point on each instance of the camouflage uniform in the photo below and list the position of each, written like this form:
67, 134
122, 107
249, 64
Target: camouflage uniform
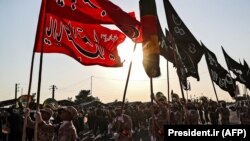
156, 128
67, 132
44, 134
123, 125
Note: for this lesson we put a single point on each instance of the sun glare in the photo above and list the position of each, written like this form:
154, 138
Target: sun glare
127, 54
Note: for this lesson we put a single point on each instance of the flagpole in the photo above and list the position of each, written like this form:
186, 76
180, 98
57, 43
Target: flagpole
128, 76
28, 102
213, 84
189, 88
41, 24
177, 65
151, 90
182, 93
152, 105
91, 81
30, 79
169, 120
214, 89
168, 82
174, 45
38, 92
31, 75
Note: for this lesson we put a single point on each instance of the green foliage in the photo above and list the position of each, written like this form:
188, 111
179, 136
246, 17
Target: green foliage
84, 96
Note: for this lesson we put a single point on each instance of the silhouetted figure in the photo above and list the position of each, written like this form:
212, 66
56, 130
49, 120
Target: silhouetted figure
15, 124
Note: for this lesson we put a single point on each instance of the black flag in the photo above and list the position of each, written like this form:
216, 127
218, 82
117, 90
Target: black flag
237, 68
166, 49
218, 74
246, 74
188, 47
150, 42
169, 52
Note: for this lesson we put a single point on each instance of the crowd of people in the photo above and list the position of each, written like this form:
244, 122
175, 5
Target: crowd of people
128, 122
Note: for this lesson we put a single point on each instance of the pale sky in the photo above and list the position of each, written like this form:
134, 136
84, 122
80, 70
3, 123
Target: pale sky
215, 22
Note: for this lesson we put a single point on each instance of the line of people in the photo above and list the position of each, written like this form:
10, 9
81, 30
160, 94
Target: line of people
139, 121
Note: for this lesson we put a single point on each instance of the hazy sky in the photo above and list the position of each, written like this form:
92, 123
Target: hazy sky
215, 22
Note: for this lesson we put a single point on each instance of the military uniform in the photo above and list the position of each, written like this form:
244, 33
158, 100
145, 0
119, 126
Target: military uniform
122, 126
176, 116
243, 110
192, 114
44, 134
67, 132
225, 113
214, 115
156, 128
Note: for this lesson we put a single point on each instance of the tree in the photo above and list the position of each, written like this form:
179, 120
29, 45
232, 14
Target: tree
70, 99
84, 96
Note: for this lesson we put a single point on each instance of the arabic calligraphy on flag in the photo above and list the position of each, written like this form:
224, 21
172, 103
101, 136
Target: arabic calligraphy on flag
237, 68
90, 44
126, 22
189, 49
218, 74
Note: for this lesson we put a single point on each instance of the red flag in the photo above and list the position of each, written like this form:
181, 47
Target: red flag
84, 11
96, 12
150, 42
90, 44
126, 22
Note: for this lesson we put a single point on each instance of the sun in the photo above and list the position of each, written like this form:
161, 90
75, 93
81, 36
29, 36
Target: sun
126, 53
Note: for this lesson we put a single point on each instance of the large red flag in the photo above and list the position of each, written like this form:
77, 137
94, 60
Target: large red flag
90, 44
150, 42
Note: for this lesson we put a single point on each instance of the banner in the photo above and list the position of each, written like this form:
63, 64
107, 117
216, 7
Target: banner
188, 47
218, 74
150, 42
89, 44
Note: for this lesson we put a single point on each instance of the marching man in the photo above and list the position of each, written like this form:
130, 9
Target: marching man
122, 126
